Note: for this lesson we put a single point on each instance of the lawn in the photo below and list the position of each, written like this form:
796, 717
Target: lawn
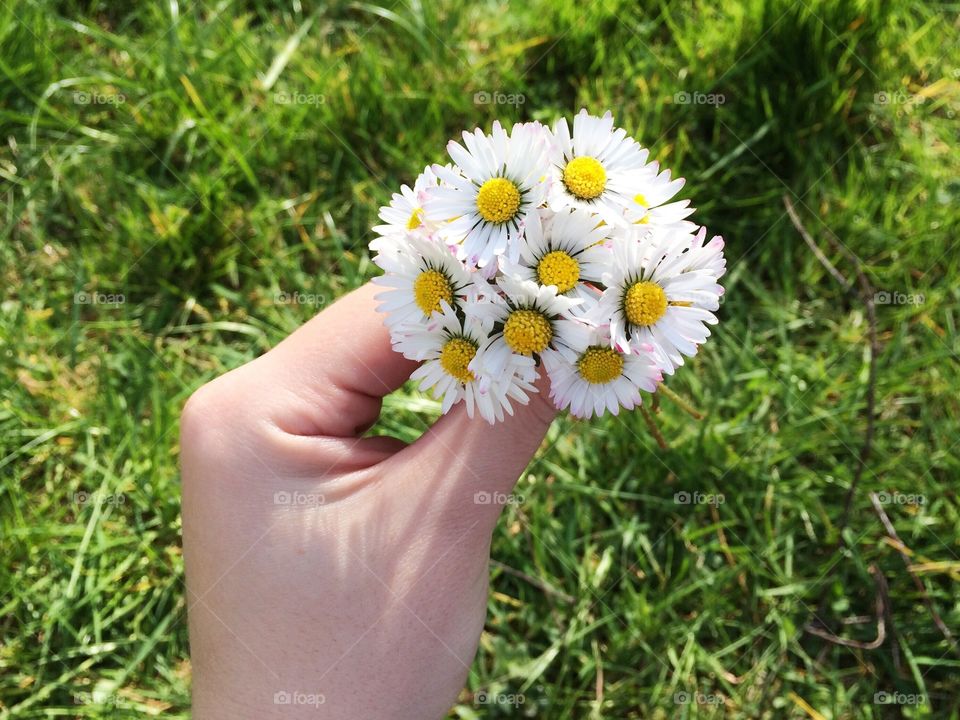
182, 184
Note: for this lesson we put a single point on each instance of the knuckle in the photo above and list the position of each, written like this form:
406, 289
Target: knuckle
202, 407
211, 415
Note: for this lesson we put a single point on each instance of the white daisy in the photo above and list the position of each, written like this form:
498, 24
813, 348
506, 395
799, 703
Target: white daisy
707, 256
525, 322
405, 211
590, 377
449, 346
598, 169
568, 249
420, 274
501, 182
648, 208
653, 296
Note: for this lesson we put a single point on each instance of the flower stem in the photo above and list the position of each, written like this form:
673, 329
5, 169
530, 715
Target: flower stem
682, 402
654, 430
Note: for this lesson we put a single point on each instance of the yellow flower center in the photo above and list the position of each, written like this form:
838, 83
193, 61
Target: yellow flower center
560, 269
430, 287
599, 365
641, 199
416, 219
585, 177
527, 332
498, 200
644, 303
455, 356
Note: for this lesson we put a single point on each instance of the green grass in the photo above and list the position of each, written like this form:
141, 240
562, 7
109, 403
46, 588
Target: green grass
147, 152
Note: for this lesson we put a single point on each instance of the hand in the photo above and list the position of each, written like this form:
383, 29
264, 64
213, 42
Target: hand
329, 574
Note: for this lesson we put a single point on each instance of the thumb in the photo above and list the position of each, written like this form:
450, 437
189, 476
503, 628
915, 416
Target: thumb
475, 457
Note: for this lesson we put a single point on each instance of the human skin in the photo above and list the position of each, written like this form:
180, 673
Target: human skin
329, 574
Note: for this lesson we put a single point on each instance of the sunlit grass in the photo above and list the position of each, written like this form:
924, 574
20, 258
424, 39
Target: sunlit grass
182, 184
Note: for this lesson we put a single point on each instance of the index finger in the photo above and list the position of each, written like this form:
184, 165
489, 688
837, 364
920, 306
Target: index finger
341, 364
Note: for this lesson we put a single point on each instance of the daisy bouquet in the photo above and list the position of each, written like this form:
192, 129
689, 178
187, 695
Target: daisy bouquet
545, 251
